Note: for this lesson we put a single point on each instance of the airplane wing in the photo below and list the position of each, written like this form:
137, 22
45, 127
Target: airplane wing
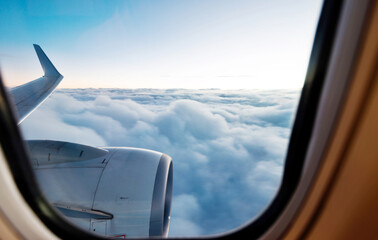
111, 191
29, 96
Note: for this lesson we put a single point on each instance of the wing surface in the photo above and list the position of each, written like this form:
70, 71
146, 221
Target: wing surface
29, 96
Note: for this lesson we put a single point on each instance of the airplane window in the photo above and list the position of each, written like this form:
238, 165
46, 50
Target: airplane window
157, 118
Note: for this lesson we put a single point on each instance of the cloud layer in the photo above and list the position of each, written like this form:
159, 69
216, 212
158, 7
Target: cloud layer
228, 147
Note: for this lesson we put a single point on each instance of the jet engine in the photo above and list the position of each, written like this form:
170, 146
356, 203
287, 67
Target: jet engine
109, 191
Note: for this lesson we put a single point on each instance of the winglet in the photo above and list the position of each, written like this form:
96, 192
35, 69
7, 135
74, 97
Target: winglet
48, 67
29, 96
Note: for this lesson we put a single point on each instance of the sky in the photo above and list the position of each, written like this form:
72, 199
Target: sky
227, 44
227, 147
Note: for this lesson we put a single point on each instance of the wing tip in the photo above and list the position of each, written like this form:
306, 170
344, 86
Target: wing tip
37, 47
48, 67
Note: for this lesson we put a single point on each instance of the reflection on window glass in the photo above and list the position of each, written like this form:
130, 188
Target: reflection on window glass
173, 117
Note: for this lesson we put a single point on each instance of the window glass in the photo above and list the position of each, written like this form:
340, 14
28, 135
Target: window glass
214, 84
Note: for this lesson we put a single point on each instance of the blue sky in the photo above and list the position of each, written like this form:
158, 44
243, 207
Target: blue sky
160, 44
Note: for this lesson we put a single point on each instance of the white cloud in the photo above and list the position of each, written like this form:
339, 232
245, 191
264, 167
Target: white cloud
47, 124
228, 147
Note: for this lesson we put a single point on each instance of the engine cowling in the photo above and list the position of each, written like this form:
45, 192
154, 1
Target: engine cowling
114, 192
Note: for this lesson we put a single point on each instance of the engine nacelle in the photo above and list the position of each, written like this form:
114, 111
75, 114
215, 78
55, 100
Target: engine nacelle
136, 187
119, 192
